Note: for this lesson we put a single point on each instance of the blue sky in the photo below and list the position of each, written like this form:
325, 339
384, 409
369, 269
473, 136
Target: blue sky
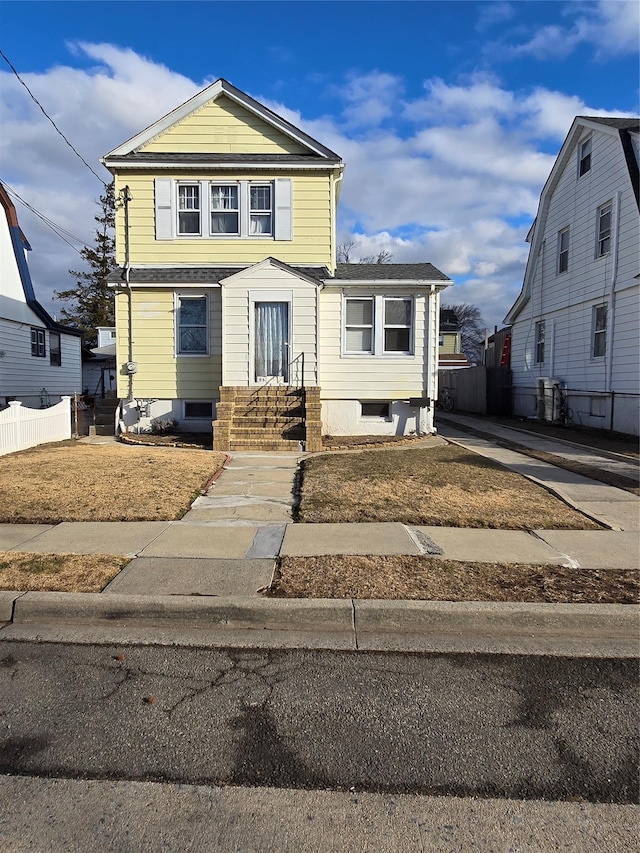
448, 115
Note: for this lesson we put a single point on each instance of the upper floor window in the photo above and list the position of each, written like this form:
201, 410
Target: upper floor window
563, 250
55, 354
540, 342
599, 337
38, 344
225, 210
260, 209
192, 327
189, 209
378, 325
603, 244
584, 157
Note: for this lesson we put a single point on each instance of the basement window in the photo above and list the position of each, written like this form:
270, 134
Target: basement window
376, 410
198, 410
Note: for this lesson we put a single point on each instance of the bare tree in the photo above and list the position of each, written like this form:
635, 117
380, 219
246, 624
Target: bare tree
472, 329
345, 249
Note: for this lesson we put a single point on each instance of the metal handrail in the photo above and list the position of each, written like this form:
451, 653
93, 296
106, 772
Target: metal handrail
303, 396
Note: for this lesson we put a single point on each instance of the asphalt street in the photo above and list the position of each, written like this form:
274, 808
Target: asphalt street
457, 724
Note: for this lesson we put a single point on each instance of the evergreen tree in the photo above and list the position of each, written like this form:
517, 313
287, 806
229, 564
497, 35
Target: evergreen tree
91, 300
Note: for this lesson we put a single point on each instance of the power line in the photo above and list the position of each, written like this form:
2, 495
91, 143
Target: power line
44, 112
57, 229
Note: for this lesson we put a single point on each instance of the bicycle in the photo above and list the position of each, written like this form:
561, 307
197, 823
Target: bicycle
447, 401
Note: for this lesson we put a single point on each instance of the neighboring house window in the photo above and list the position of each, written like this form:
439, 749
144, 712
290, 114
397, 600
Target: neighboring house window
195, 409
540, 342
260, 209
55, 355
584, 160
397, 325
192, 326
359, 325
375, 410
38, 346
225, 209
563, 250
189, 209
378, 325
603, 246
599, 330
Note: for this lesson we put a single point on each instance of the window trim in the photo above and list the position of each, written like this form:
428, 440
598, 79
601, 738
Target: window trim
380, 417
178, 296
55, 353
38, 343
598, 335
237, 210
539, 342
379, 326
563, 253
584, 157
603, 235
260, 211
192, 234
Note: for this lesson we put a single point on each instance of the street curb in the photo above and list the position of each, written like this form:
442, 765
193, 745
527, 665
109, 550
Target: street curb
360, 616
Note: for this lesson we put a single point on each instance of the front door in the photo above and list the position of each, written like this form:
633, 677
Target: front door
272, 341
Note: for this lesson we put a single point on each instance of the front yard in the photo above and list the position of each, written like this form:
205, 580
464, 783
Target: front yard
73, 481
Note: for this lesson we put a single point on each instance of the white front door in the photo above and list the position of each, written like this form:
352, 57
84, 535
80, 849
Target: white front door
272, 341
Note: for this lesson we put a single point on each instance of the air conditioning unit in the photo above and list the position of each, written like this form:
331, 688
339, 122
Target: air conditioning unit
548, 399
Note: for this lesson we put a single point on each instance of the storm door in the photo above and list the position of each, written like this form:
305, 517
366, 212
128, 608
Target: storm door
272, 341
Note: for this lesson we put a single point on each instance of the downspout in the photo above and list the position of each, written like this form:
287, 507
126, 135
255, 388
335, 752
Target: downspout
432, 358
126, 198
611, 309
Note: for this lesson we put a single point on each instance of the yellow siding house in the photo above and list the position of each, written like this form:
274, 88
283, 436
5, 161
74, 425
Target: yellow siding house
230, 306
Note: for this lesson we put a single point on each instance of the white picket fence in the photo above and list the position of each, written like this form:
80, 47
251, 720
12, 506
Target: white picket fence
21, 427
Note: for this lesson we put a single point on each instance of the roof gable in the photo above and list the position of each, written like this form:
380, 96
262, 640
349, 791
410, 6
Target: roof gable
220, 113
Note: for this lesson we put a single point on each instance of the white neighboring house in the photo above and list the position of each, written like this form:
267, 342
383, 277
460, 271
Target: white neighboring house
576, 322
99, 368
39, 359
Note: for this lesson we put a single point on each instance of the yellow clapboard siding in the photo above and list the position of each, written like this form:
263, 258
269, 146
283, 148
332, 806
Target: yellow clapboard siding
224, 127
311, 226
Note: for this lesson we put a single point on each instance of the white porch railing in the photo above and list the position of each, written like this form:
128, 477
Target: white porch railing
21, 427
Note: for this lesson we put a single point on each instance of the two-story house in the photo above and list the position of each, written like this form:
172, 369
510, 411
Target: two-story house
450, 355
40, 360
575, 350
229, 303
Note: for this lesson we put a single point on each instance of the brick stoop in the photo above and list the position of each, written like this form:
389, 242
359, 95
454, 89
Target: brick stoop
277, 417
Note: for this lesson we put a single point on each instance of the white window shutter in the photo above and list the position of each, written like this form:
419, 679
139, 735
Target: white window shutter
164, 212
283, 215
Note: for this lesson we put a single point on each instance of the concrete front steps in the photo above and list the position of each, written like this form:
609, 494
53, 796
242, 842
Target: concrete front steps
105, 416
278, 417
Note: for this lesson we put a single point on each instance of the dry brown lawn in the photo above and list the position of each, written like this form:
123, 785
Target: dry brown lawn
441, 486
58, 572
73, 481
434, 579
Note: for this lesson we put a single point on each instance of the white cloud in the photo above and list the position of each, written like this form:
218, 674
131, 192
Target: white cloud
610, 26
370, 98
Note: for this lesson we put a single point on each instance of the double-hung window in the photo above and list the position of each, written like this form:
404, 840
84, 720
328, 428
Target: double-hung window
563, 250
260, 216
599, 337
603, 243
378, 325
225, 209
189, 209
584, 157
397, 325
55, 355
192, 327
38, 345
358, 336
540, 342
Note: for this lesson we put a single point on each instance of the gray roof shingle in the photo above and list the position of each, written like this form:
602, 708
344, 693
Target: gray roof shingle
196, 275
389, 272
630, 123
205, 159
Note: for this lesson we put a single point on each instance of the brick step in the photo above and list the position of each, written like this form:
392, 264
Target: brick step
261, 412
264, 445
246, 433
266, 421
105, 429
269, 400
